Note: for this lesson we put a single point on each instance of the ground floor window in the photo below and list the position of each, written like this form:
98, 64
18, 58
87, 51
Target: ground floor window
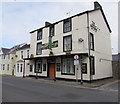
21, 67
92, 65
8, 67
38, 67
58, 67
68, 66
31, 68
3, 66
44, 67
17, 67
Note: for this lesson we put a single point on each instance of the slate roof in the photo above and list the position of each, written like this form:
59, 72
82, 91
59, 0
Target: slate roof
5, 50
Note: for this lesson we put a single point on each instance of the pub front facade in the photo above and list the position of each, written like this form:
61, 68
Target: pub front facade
87, 35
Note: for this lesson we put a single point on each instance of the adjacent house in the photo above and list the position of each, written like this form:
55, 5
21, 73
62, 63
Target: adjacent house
7, 61
84, 36
12, 57
22, 67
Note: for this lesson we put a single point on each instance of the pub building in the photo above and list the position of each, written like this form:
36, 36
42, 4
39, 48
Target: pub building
54, 46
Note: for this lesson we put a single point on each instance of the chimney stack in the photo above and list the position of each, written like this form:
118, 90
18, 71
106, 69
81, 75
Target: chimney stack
97, 5
47, 23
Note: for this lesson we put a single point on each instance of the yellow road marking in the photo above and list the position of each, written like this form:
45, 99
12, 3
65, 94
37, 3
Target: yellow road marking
107, 84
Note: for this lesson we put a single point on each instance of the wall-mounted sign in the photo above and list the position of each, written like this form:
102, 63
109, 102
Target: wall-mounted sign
76, 57
94, 27
76, 62
84, 68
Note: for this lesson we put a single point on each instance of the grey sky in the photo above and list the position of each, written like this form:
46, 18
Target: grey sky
19, 18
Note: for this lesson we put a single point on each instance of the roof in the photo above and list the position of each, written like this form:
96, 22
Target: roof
88, 11
16, 47
5, 50
24, 46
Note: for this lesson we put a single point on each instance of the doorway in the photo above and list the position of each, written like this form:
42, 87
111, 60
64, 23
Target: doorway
51, 68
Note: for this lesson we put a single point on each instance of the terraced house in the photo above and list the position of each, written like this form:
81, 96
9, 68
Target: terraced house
22, 67
86, 35
11, 60
7, 61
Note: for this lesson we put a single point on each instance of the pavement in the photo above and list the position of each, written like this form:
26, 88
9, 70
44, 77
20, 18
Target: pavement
94, 84
29, 89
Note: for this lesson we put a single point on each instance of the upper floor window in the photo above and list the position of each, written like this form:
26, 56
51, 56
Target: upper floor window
67, 43
67, 25
39, 48
3, 56
21, 54
39, 35
28, 53
51, 30
91, 41
8, 56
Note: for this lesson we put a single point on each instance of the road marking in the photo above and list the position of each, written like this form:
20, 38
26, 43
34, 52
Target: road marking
108, 84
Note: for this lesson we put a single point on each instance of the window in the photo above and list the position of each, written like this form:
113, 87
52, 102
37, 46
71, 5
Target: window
58, 67
21, 67
8, 67
55, 44
68, 66
67, 25
44, 67
27, 53
8, 56
67, 43
38, 68
3, 66
51, 30
84, 68
92, 66
21, 54
39, 49
17, 67
39, 35
31, 68
91, 41
3, 56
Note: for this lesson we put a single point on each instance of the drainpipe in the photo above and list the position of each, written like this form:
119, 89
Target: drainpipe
88, 43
